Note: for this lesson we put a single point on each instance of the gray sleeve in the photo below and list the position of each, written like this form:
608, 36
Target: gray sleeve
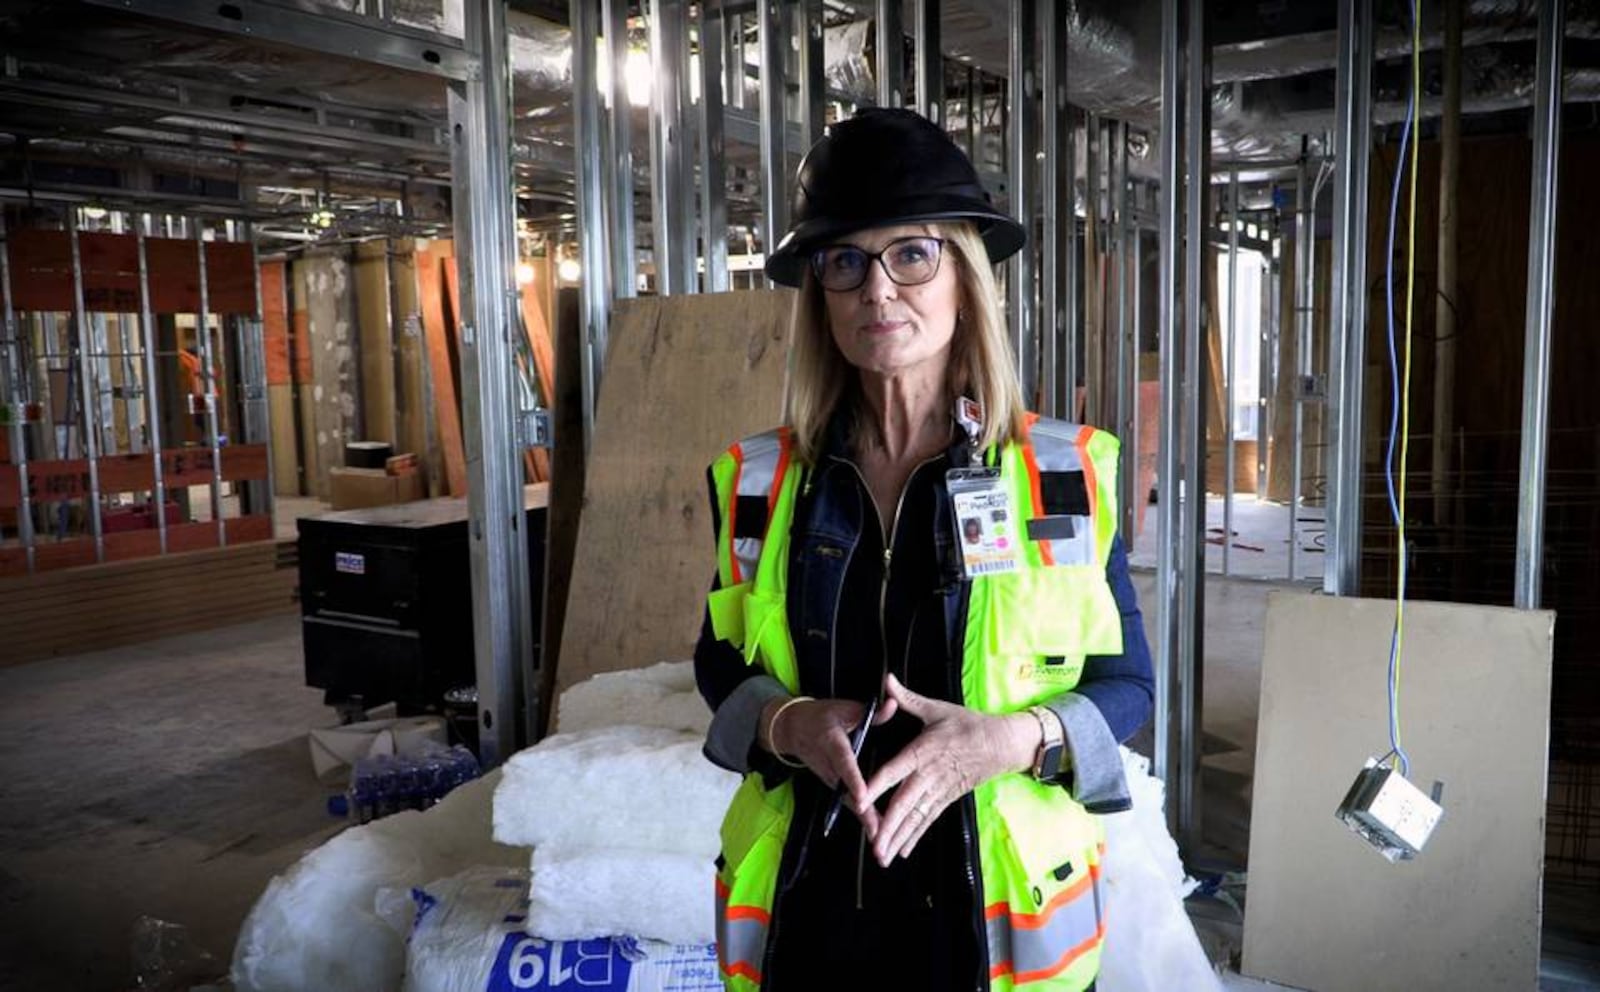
1097, 779
731, 739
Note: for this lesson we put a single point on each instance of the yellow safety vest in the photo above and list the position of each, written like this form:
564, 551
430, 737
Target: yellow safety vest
1027, 635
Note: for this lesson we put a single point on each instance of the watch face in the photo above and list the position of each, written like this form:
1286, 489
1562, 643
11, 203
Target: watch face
1049, 765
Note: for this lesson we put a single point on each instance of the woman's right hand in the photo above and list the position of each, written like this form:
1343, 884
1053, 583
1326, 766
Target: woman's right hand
817, 732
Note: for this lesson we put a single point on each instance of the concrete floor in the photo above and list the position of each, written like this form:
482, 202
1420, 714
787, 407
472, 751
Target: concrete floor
169, 779
172, 780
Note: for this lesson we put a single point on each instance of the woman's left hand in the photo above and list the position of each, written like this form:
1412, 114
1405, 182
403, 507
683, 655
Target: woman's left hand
958, 750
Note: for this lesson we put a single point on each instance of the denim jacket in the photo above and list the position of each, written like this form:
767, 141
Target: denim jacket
851, 623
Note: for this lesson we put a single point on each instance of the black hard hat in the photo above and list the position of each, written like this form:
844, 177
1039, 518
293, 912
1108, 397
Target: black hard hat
884, 166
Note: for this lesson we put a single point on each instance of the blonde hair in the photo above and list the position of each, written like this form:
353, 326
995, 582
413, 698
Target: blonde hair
981, 362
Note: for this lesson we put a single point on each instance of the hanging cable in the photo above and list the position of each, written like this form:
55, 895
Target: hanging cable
1400, 380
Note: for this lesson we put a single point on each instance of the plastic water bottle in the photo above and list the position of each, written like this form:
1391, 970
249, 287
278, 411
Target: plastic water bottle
384, 784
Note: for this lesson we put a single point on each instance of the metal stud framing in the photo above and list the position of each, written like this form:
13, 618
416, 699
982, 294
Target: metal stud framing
1020, 179
80, 355
616, 163
147, 330
774, 162
595, 307
1192, 550
1055, 271
1347, 337
891, 55
486, 259
1541, 304
713, 186
208, 382
14, 398
1169, 689
930, 62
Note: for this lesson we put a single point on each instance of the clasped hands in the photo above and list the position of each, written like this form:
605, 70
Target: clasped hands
957, 750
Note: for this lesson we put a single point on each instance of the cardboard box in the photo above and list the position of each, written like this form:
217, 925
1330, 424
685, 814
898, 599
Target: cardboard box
353, 488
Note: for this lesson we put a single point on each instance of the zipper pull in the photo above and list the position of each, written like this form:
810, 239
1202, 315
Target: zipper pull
887, 555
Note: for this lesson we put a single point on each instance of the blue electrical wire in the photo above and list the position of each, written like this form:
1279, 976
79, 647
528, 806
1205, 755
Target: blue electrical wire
1394, 413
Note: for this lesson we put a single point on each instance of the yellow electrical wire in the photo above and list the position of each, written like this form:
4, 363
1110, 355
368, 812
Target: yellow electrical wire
1405, 385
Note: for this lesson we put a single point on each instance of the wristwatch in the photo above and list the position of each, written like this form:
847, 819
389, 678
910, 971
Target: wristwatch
1047, 761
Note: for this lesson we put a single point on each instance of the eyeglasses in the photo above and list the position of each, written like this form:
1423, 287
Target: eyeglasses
908, 261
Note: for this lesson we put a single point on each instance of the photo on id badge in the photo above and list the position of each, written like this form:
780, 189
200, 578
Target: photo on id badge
988, 543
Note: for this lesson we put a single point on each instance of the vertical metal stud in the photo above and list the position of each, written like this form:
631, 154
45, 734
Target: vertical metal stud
1191, 591
1304, 231
152, 391
813, 89
1135, 495
91, 441
1020, 177
670, 189
14, 398
929, 82
1056, 216
1541, 304
1094, 325
774, 162
1071, 245
713, 184
617, 163
1271, 335
1348, 325
1127, 338
208, 380
260, 495
486, 243
1230, 353
595, 301
1169, 690
891, 55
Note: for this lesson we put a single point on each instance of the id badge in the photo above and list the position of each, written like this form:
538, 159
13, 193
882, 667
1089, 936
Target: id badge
988, 536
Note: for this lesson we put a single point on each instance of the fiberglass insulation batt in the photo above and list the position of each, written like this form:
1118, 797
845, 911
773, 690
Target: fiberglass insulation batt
640, 788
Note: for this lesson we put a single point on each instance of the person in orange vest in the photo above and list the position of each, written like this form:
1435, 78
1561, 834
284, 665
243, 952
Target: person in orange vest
192, 382
926, 712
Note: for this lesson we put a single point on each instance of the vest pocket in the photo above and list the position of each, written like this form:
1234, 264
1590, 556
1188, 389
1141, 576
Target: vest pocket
766, 628
1064, 611
1046, 914
753, 833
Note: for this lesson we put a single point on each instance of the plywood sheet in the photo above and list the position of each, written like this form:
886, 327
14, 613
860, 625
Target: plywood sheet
285, 463
438, 320
686, 376
410, 394
371, 279
129, 601
1325, 911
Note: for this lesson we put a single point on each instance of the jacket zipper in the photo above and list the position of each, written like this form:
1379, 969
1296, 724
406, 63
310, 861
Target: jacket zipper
883, 616
969, 812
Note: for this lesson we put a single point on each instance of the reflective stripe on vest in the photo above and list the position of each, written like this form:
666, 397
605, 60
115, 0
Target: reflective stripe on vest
741, 937
1031, 947
759, 464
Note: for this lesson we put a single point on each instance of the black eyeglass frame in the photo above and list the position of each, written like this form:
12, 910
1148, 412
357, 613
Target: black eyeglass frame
877, 256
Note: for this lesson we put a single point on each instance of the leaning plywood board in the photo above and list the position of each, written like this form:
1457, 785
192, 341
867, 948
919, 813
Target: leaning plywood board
1326, 911
686, 376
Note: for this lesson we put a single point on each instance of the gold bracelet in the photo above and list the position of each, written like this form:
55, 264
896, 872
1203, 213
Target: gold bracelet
772, 725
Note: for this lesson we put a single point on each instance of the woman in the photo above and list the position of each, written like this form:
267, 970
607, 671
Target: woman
985, 687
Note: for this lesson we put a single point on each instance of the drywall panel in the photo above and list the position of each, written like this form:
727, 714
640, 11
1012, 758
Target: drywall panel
1325, 911
686, 376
